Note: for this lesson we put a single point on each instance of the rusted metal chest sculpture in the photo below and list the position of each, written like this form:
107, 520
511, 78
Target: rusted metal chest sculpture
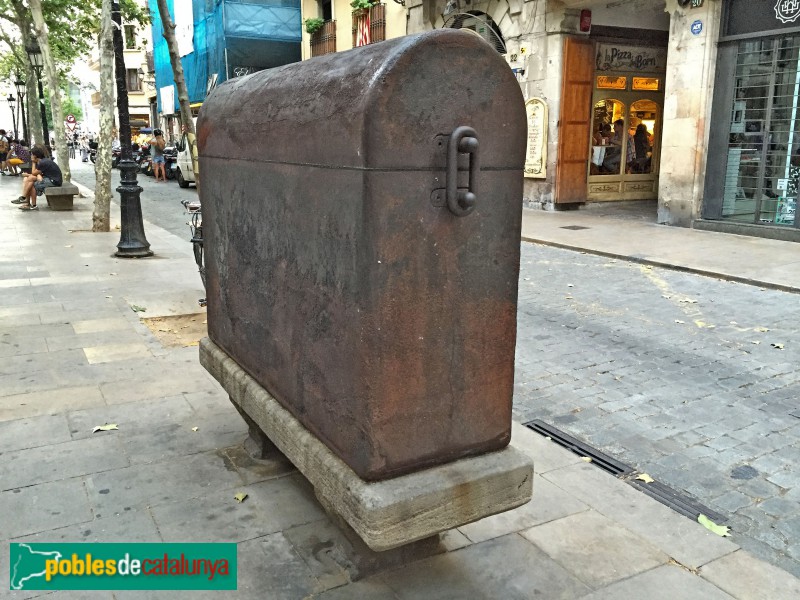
362, 221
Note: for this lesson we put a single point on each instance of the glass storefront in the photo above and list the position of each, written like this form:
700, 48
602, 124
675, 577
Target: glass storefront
763, 154
627, 105
753, 160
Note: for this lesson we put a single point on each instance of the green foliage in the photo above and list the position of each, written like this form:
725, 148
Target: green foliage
362, 4
314, 25
69, 107
72, 25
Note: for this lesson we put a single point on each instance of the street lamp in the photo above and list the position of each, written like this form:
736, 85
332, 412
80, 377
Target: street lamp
20, 85
132, 241
11, 101
37, 62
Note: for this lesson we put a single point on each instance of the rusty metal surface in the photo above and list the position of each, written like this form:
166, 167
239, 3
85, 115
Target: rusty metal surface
338, 277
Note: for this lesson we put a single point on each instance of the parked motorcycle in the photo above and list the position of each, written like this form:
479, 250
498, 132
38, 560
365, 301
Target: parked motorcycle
93, 152
143, 160
170, 161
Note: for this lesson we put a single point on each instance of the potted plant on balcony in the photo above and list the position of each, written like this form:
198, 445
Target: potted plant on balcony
314, 25
361, 7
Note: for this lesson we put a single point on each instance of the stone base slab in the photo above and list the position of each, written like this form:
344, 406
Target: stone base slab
385, 514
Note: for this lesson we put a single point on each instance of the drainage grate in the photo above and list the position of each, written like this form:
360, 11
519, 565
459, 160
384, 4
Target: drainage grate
677, 501
604, 461
574, 227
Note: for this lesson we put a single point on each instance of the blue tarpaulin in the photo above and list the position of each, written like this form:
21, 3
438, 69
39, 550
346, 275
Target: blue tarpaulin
228, 36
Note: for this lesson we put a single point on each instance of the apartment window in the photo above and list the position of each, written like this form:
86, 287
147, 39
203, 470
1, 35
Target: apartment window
130, 37
132, 78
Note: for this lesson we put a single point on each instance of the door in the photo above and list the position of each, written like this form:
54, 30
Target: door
624, 150
574, 124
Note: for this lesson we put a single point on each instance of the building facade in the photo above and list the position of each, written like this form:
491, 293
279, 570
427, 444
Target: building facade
219, 40
345, 27
136, 45
645, 100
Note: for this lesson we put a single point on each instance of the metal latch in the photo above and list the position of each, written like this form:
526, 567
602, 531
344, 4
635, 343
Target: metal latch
463, 140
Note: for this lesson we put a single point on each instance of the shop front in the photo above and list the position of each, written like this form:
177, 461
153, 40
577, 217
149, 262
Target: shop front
754, 144
611, 114
626, 110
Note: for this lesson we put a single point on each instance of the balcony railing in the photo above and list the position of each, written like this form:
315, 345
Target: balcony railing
374, 19
323, 41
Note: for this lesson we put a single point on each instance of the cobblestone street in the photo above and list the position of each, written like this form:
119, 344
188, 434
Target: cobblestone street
690, 379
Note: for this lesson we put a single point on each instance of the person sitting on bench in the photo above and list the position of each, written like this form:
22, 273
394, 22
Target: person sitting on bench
44, 173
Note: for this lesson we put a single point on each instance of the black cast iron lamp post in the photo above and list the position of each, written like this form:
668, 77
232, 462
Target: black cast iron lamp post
132, 241
20, 85
37, 62
11, 101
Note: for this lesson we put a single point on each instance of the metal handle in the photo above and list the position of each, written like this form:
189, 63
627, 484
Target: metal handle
463, 140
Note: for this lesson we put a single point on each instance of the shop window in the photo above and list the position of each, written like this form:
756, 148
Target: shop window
646, 84
642, 127
607, 82
763, 163
609, 147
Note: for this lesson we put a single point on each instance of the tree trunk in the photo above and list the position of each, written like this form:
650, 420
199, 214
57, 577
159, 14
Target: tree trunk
24, 25
180, 83
40, 29
102, 169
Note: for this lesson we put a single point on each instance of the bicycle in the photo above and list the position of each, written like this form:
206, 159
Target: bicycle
194, 209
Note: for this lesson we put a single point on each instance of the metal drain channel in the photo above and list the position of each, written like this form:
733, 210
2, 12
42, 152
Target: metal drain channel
680, 503
599, 459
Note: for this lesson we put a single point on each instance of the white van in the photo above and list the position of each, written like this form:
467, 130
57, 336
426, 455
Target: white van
184, 171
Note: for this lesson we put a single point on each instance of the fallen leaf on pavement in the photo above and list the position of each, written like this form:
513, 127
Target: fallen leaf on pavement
195, 428
645, 477
756, 342
761, 329
106, 427
777, 346
721, 530
703, 325
679, 321
240, 497
586, 458
137, 308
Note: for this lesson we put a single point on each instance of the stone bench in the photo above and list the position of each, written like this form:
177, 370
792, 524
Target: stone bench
60, 198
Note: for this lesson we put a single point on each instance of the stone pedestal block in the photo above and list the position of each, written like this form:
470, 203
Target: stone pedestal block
390, 513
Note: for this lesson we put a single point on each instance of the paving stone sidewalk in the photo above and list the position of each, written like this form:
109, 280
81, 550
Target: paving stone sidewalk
76, 354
